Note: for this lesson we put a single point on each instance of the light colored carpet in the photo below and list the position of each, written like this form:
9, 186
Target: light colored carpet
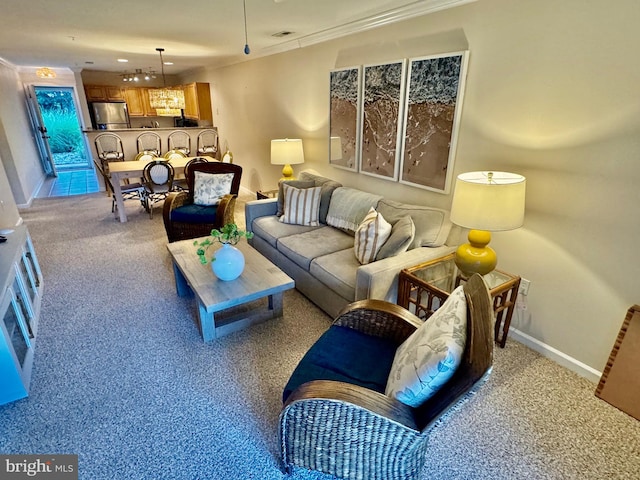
122, 377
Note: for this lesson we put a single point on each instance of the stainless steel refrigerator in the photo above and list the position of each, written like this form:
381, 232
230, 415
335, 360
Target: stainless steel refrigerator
109, 115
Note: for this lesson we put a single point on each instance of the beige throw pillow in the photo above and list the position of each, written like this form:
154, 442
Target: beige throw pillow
301, 206
370, 235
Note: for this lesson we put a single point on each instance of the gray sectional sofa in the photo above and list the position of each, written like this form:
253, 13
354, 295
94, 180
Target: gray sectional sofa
321, 259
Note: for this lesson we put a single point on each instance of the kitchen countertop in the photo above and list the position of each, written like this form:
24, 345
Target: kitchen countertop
144, 129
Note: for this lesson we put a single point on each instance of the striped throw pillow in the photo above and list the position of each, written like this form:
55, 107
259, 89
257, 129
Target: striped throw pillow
301, 205
371, 234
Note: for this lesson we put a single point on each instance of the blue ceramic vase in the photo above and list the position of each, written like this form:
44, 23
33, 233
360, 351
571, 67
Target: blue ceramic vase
228, 263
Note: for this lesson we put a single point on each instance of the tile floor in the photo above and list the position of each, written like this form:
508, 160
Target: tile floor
70, 182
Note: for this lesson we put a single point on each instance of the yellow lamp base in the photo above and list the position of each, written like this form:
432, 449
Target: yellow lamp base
476, 256
287, 173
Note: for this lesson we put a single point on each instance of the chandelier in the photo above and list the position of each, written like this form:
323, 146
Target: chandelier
45, 72
168, 102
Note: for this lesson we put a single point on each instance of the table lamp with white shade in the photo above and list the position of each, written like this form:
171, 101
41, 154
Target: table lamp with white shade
287, 152
485, 202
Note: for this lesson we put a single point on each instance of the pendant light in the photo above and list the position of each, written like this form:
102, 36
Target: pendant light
168, 102
247, 50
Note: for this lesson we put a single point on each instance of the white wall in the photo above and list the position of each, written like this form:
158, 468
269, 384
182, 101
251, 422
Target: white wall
552, 93
17, 145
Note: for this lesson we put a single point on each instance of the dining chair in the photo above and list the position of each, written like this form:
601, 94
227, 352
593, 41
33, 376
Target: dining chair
130, 191
181, 183
171, 154
179, 140
109, 149
149, 142
157, 176
208, 141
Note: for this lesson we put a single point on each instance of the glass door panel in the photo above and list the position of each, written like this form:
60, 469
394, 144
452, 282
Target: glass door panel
24, 303
14, 327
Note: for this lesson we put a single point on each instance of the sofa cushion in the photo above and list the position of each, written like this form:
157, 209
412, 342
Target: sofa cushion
430, 356
328, 187
209, 188
401, 237
338, 272
193, 213
301, 206
349, 206
345, 355
371, 234
304, 247
293, 183
271, 229
432, 224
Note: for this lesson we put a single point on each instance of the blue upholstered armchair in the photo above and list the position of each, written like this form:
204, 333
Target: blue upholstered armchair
351, 407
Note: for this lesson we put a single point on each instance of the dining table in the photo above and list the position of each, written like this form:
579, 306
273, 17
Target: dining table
119, 170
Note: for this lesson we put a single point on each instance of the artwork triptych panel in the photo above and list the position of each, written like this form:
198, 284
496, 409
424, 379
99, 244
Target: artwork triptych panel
382, 95
344, 118
432, 115
399, 123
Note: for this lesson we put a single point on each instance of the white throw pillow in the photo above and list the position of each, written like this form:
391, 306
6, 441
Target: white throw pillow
370, 235
301, 205
209, 188
430, 356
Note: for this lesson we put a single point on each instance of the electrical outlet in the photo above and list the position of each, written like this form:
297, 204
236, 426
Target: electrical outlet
524, 286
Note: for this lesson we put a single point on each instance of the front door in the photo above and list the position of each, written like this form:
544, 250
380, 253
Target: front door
40, 133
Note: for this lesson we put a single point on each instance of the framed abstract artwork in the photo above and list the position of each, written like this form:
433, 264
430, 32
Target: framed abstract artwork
431, 118
344, 118
382, 94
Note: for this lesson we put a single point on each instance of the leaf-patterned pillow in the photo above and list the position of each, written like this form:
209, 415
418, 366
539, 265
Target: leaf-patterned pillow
429, 357
209, 188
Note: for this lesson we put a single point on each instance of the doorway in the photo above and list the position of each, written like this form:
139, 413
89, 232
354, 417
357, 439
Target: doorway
64, 157
62, 125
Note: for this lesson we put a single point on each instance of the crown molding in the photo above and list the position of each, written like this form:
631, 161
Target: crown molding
417, 9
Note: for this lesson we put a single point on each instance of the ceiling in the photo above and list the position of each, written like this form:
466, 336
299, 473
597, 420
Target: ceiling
89, 35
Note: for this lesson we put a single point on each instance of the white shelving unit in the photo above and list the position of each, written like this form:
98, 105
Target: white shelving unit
22, 286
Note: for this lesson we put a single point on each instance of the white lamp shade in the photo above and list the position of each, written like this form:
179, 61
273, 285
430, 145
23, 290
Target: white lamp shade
491, 201
287, 151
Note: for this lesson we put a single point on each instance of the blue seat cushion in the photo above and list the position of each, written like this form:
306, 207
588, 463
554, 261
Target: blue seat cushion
345, 355
194, 214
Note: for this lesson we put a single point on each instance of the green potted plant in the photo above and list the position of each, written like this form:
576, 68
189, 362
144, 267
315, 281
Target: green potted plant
227, 262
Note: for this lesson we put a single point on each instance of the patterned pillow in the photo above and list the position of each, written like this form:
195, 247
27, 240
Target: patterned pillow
429, 357
402, 234
209, 188
301, 205
370, 235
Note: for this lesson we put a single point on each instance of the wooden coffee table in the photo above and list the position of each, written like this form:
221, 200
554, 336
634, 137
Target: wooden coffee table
224, 306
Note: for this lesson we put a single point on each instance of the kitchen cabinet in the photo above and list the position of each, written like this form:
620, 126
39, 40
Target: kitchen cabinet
103, 93
135, 103
146, 104
197, 100
20, 299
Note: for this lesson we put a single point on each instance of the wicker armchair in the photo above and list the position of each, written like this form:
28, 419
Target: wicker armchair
356, 433
202, 219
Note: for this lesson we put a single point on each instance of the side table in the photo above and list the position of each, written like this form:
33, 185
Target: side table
423, 288
262, 194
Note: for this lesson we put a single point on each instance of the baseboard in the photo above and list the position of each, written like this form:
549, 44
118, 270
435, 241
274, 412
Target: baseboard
557, 356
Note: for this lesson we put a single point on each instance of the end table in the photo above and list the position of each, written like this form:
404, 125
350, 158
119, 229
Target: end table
262, 194
423, 288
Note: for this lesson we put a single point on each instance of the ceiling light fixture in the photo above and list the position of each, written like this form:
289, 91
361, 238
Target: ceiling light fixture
45, 72
168, 102
247, 50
